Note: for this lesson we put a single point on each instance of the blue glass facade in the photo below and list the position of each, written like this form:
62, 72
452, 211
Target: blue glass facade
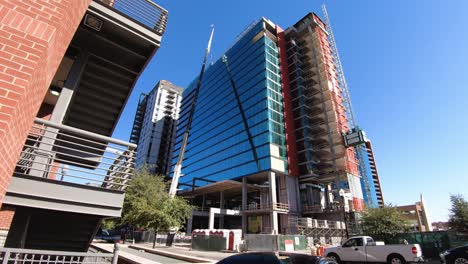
218, 146
367, 181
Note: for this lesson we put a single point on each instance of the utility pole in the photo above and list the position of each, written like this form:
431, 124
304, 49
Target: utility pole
178, 166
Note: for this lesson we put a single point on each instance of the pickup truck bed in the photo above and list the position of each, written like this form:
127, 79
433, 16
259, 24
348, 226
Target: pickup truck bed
363, 249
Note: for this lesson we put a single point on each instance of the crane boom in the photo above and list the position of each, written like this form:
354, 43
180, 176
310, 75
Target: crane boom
339, 68
178, 166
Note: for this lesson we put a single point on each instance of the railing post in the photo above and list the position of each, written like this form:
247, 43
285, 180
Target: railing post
115, 258
6, 257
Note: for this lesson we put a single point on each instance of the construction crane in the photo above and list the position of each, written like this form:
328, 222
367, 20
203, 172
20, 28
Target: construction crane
183, 146
339, 69
355, 136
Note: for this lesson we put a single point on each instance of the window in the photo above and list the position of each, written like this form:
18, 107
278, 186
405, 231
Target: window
355, 242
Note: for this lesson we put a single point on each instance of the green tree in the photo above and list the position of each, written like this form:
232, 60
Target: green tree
383, 223
458, 218
148, 205
109, 223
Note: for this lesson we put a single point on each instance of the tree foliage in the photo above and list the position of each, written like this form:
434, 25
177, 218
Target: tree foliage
148, 204
458, 218
383, 223
109, 223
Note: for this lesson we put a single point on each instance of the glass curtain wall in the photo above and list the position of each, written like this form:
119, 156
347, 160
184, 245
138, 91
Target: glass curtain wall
218, 146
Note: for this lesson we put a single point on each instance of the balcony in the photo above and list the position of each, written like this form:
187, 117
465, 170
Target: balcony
145, 12
68, 169
111, 47
266, 207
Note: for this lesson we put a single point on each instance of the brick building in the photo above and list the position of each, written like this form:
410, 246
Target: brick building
417, 216
66, 70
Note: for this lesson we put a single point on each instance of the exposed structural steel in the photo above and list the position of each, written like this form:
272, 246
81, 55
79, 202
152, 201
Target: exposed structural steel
339, 68
244, 118
178, 165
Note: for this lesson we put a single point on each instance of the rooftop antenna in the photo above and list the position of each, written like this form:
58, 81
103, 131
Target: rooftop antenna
178, 165
339, 70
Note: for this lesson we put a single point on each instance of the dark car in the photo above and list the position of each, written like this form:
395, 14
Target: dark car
457, 255
108, 236
267, 258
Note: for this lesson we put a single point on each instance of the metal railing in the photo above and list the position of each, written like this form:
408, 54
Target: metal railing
144, 11
65, 153
307, 222
29, 256
268, 206
334, 207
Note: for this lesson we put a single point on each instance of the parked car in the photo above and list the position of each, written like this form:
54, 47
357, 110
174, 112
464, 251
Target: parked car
364, 249
457, 255
108, 235
271, 258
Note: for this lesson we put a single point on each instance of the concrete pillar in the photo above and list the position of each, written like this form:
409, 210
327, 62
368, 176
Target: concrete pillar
211, 220
274, 222
244, 205
221, 206
272, 190
189, 225
272, 195
203, 202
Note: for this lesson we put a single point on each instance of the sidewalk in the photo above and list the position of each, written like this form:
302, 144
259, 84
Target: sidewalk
185, 253
128, 257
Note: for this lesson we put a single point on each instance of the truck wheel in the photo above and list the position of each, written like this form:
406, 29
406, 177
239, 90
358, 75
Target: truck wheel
334, 257
395, 259
460, 260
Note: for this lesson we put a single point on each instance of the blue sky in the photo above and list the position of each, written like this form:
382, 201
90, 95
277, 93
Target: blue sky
406, 67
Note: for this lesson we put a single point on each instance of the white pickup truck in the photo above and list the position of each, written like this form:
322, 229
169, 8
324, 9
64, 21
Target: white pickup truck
364, 249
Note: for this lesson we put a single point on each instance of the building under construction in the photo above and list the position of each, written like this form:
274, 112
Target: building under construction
272, 141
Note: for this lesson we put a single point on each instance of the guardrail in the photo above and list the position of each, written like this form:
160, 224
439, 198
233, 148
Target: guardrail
319, 209
15, 255
264, 206
65, 153
144, 11
306, 222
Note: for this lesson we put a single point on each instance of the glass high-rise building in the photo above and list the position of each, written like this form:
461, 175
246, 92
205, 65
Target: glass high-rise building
220, 143
267, 135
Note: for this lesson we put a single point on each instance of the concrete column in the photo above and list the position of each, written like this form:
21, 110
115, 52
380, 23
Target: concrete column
211, 220
272, 193
203, 202
274, 222
272, 181
189, 225
221, 206
244, 206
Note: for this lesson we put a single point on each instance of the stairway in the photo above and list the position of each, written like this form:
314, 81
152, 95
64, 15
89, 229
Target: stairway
52, 230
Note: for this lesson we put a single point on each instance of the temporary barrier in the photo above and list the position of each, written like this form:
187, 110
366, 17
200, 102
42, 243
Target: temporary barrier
299, 242
216, 239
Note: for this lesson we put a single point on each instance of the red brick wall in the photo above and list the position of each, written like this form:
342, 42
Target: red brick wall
34, 35
6, 216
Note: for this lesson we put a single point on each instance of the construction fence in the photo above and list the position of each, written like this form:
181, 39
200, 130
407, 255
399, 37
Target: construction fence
433, 243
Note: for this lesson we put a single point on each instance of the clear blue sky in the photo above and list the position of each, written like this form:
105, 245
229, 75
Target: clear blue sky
405, 63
